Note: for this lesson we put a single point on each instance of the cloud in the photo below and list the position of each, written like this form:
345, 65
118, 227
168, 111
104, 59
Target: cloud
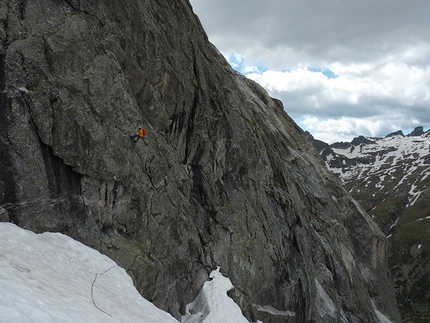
344, 31
360, 65
333, 130
358, 90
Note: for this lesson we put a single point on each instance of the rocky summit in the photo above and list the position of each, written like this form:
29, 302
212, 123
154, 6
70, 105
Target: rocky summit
390, 177
223, 177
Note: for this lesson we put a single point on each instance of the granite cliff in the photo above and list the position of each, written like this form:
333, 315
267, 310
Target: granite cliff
223, 178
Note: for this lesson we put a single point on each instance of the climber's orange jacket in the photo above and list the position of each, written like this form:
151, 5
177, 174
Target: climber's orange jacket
142, 132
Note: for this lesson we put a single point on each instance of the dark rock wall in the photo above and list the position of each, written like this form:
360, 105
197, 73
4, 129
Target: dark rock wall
224, 176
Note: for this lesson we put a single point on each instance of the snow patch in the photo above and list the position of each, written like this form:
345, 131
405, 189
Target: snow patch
52, 278
382, 318
384, 155
324, 304
414, 195
426, 218
212, 304
24, 89
393, 225
271, 310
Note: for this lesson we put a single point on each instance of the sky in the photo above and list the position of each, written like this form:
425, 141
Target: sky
342, 68
50, 278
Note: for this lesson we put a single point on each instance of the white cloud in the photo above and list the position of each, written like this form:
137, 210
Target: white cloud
291, 81
345, 128
393, 92
379, 51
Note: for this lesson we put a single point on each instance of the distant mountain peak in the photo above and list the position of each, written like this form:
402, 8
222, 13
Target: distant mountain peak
418, 131
361, 140
395, 133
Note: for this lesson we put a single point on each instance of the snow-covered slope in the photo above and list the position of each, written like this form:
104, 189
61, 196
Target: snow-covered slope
383, 166
212, 305
50, 277
395, 159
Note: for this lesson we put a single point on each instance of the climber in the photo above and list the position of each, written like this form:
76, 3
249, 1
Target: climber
141, 134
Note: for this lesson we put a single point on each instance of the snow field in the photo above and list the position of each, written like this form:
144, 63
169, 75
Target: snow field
396, 154
52, 278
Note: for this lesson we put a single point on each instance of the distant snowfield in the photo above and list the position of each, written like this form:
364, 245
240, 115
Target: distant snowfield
408, 155
390, 151
50, 277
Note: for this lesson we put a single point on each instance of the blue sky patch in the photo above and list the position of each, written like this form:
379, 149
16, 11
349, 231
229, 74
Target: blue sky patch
325, 71
237, 62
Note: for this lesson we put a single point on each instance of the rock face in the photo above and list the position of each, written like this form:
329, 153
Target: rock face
390, 177
224, 177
